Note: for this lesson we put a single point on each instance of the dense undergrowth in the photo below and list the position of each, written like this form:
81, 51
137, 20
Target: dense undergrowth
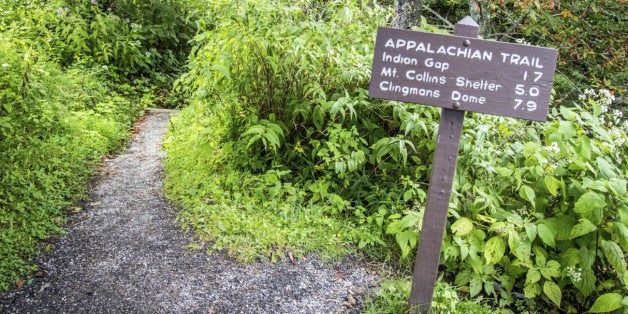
73, 77
280, 151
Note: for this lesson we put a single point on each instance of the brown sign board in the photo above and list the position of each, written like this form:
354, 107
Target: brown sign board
463, 73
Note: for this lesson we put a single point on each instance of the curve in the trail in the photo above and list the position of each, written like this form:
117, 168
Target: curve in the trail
124, 253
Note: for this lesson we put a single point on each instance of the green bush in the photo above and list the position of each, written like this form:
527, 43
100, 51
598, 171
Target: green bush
55, 123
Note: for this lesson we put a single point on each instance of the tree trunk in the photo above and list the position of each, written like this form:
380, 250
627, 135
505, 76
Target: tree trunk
407, 13
480, 12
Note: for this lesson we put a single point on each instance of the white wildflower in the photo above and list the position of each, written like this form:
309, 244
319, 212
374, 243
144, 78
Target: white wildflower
553, 148
574, 274
5, 65
606, 97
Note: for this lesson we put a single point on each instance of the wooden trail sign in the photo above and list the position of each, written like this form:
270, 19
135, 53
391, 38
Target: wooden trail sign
458, 73
463, 73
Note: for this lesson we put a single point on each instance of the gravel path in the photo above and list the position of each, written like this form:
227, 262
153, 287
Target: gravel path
124, 253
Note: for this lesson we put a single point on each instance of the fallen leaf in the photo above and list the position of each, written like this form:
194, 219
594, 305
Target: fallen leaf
44, 287
351, 302
57, 220
291, 258
20, 282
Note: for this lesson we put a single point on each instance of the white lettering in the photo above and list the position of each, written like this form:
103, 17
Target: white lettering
399, 59
457, 96
425, 77
442, 66
389, 86
477, 85
513, 58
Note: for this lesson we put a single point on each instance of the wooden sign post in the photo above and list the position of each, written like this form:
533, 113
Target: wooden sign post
458, 73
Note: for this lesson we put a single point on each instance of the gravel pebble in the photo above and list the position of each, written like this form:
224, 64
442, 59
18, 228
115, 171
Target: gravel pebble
124, 253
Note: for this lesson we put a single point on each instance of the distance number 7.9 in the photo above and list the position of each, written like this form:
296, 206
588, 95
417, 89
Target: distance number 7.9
530, 104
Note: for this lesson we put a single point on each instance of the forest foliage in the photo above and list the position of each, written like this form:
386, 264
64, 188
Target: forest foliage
280, 151
73, 77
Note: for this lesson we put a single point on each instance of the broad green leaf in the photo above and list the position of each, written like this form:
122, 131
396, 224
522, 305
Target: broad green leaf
570, 257
582, 228
500, 227
531, 291
518, 247
407, 241
462, 227
621, 232
222, 69
475, 286
623, 214
553, 292
560, 226
588, 202
586, 284
617, 186
595, 185
533, 275
410, 220
607, 302
545, 234
408, 195
531, 149
530, 231
527, 193
494, 250
596, 216
568, 114
587, 258
567, 129
584, 150
489, 287
614, 255
606, 169
551, 269
552, 184
540, 256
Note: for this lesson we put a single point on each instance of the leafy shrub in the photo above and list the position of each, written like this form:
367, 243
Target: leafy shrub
55, 123
545, 214
393, 297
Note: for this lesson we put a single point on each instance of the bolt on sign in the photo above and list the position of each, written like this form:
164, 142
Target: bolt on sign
457, 73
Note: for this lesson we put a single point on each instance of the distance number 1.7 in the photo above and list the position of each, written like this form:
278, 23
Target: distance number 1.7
522, 90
